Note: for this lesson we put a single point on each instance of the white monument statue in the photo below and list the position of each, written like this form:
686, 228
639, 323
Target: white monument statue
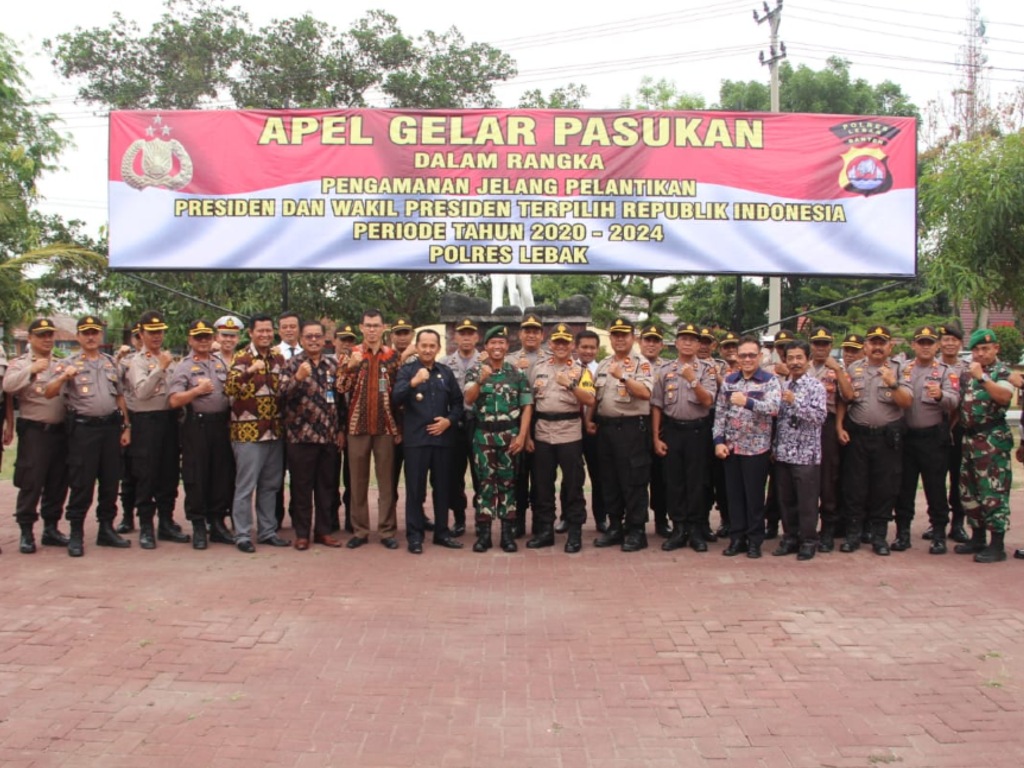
520, 290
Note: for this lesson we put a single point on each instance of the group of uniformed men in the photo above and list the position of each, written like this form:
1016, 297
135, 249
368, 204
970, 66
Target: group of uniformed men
839, 444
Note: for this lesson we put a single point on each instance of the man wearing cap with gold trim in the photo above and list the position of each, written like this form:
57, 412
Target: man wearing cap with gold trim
560, 387
951, 341
228, 329
154, 447
985, 477
124, 357
41, 467
531, 337
684, 391
99, 427
872, 424
499, 394
832, 375
652, 342
460, 361
852, 349
936, 391
621, 420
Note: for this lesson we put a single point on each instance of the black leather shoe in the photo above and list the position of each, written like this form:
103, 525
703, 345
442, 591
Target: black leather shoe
610, 538
544, 538
786, 547
147, 539
27, 543
734, 548
902, 541
459, 529
927, 535
356, 542
635, 541
826, 544
200, 539
507, 541
415, 548
807, 551
850, 545
754, 551
1018, 554
220, 534
958, 534
127, 524
52, 537
574, 542
390, 542
166, 532
938, 547
698, 543
561, 526
276, 541
709, 536
880, 547
107, 537
75, 546
664, 530
246, 546
448, 543
676, 541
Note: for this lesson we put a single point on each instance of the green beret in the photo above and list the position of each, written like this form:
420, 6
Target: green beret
982, 336
497, 332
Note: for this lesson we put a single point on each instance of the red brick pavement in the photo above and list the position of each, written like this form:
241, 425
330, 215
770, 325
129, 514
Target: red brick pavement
378, 658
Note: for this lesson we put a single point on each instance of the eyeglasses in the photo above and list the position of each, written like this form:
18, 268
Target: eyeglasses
747, 355
312, 336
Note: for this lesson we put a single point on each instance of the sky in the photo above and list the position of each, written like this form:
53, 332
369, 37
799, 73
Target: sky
608, 48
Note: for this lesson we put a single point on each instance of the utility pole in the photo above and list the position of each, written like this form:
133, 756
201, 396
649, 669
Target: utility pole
777, 52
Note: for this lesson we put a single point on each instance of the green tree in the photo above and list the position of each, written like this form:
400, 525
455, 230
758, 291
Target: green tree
662, 94
569, 96
712, 301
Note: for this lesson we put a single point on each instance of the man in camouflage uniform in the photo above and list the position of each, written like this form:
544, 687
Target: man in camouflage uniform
986, 474
499, 395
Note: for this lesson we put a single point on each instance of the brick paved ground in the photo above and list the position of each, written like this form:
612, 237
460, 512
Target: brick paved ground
376, 658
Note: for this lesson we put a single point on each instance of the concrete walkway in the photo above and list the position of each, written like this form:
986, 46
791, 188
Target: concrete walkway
373, 657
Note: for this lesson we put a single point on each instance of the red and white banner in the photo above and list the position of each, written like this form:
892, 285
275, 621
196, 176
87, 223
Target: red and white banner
513, 190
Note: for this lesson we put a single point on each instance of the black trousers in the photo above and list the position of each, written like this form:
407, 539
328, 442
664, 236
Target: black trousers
745, 477
40, 472
525, 494
871, 476
590, 457
925, 454
829, 469
94, 459
625, 458
435, 463
956, 457
657, 492
311, 466
155, 462
797, 488
462, 457
686, 472
207, 466
547, 460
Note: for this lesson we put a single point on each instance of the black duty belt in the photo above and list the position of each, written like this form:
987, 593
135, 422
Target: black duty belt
937, 430
688, 424
98, 421
860, 429
497, 426
41, 426
153, 415
557, 416
622, 421
981, 429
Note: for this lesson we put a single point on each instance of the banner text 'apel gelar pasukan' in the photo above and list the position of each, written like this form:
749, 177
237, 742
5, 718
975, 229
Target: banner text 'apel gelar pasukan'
513, 190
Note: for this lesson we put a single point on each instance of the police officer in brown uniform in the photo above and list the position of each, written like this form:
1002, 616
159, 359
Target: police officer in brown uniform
832, 375
99, 428
684, 391
207, 465
872, 424
936, 390
560, 387
460, 361
652, 342
154, 446
41, 467
622, 424
531, 337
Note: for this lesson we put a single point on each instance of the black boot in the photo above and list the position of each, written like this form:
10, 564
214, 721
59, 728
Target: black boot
52, 537
994, 552
787, 546
975, 545
483, 537
635, 540
147, 536
75, 546
827, 540
27, 545
106, 536
165, 531
199, 534
545, 537
902, 541
220, 533
611, 537
518, 528
574, 543
938, 546
127, 522
699, 540
677, 540
508, 538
